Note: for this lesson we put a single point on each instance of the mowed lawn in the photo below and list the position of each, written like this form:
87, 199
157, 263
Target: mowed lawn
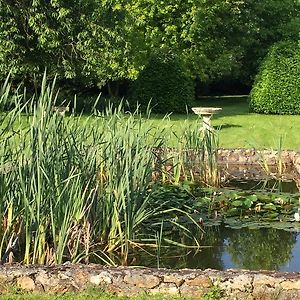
236, 126
239, 128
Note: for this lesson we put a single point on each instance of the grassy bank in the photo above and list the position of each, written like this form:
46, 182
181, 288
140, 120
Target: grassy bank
239, 128
84, 296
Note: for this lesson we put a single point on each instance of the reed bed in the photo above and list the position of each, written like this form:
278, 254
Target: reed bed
80, 190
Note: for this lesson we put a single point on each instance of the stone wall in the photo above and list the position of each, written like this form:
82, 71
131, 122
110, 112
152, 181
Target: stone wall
233, 284
258, 164
254, 157
290, 159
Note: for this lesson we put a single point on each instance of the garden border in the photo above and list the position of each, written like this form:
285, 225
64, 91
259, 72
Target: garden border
232, 284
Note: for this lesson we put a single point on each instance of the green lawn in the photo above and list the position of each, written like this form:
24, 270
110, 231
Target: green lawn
97, 295
80, 296
238, 128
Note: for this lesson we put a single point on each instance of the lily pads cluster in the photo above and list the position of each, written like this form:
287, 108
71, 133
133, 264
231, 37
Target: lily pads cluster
232, 208
240, 209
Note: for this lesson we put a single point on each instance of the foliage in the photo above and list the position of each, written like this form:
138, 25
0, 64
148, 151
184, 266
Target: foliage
96, 42
195, 156
74, 188
89, 294
163, 82
217, 39
247, 209
85, 41
215, 293
266, 22
277, 86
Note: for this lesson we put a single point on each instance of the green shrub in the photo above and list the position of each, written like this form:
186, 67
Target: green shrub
277, 86
165, 83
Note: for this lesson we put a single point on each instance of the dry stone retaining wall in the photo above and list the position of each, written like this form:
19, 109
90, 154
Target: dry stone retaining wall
233, 284
253, 156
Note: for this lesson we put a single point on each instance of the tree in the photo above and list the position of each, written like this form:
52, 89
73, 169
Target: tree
216, 38
268, 22
40, 34
85, 40
234, 36
260, 249
100, 41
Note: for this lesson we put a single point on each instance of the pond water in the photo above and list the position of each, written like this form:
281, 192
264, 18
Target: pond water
272, 185
225, 248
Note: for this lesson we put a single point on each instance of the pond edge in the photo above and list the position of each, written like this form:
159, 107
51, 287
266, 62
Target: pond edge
232, 284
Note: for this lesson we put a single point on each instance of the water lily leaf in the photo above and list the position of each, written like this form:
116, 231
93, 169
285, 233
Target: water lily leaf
257, 225
234, 195
292, 229
212, 222
248, 203
270, 216
270, 206
252, 198
237, 203
237, 226
282, 225
264, 198
232, 222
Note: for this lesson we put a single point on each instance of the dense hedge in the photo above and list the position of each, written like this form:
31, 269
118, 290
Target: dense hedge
165, 83
277, 86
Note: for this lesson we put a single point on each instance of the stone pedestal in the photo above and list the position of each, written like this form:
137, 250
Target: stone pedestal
206, 113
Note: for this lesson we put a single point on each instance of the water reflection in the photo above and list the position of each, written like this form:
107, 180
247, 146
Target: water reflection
269, 249
271, 185
260, 249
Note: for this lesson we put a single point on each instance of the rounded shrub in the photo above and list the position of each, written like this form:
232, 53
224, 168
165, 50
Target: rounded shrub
164, 83
276, 89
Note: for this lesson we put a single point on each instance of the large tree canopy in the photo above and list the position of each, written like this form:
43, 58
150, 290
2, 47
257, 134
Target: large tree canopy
83, 39
96, 41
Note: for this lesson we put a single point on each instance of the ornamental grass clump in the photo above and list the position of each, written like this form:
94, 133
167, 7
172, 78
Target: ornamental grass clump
48, 183
195, 157
76, 189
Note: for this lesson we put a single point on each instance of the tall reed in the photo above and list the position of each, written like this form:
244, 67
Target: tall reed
73, 187
195, 157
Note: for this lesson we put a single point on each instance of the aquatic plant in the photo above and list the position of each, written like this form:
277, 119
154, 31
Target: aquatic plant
195, 157
73, 188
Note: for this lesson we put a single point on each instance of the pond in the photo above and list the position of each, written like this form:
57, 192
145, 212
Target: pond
271, 185
226, 248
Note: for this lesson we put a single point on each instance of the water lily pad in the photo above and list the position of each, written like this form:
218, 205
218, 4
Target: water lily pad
212, 222
233, 212
237, 203
248, 203
256, 225
282, 225
271, 214
252, 198
270, 206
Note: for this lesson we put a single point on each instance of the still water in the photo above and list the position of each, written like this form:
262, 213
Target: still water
225, 248
267, 185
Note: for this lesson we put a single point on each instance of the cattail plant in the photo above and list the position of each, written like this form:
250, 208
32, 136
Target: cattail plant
74, 188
